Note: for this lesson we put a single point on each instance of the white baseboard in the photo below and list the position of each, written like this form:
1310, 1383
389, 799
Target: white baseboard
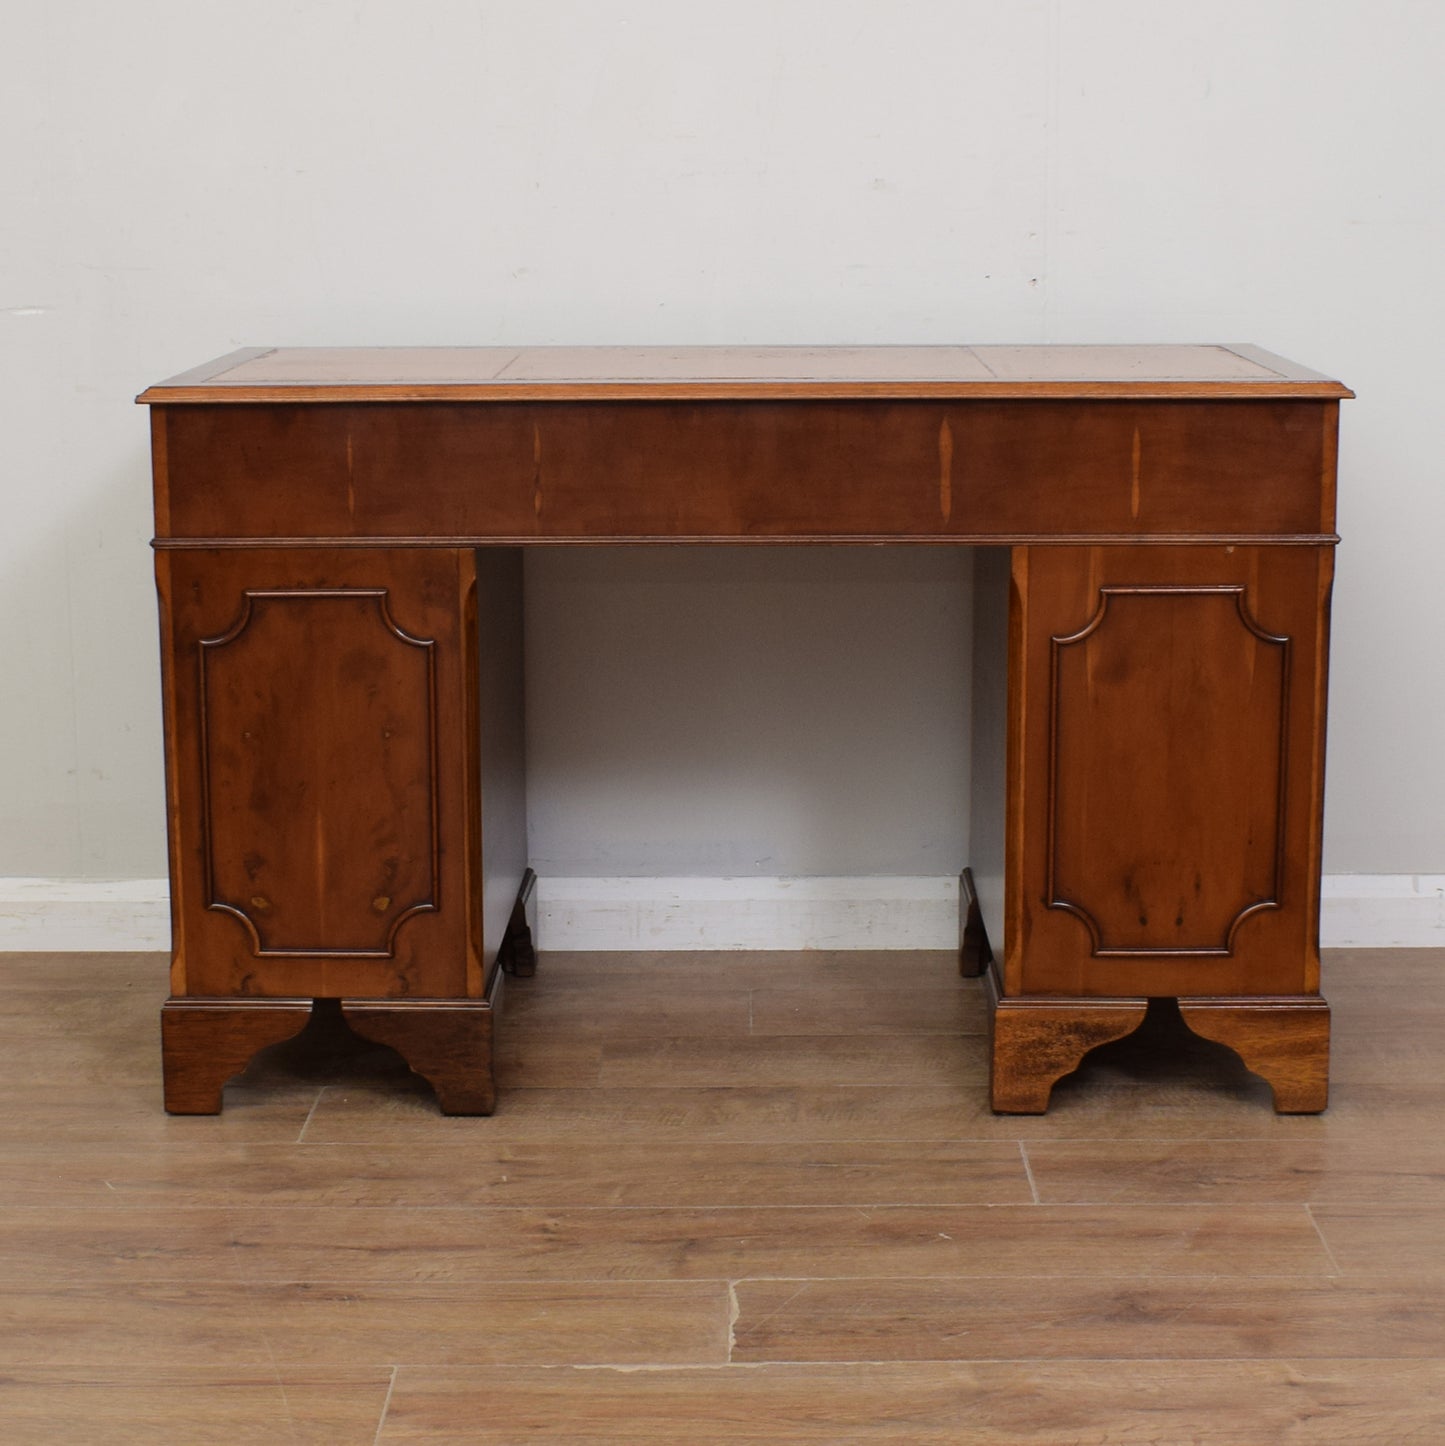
1356, 910
1382, 911
1359, 910
749, 913
84, 915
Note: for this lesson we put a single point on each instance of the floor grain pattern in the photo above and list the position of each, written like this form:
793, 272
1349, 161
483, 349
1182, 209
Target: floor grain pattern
725, 1198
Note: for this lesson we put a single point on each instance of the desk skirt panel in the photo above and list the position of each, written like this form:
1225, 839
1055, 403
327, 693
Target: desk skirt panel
746, 471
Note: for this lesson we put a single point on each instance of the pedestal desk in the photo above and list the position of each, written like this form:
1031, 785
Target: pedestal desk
339, 537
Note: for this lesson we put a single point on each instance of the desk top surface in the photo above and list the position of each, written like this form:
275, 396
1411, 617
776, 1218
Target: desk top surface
718, 373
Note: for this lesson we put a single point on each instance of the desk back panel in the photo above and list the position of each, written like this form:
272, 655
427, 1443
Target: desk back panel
728, 471
337, 536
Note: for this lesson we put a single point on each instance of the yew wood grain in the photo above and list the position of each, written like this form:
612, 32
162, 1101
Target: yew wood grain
344, 724
977, 471
1286, 1041
1036, 1040
1165, 789
204, 1042
365, 859
448, 1042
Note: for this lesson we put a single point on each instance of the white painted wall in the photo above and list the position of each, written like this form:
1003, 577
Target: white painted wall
733, 711
183, 178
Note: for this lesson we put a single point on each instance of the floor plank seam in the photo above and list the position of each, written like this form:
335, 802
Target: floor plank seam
257, 1327
903, 1364
385, 1407
108, 1207
309, 1113
623, 1282
1329, 1252
1029, 1171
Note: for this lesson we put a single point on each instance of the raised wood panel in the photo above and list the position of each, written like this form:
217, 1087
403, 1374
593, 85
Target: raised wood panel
323, 764
319, 778
748, 471
1165, 771
1138, 816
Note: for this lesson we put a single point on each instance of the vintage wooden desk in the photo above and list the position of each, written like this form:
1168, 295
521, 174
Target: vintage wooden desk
339, 540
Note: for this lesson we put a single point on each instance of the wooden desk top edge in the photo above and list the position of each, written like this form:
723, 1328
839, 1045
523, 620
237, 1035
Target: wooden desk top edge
555, 374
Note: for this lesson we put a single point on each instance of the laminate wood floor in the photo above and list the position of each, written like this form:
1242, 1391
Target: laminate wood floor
725, 1198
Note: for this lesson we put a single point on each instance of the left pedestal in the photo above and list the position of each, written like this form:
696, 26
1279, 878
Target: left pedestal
325, 757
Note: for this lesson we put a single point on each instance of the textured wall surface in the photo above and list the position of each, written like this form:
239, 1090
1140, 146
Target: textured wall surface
183, 179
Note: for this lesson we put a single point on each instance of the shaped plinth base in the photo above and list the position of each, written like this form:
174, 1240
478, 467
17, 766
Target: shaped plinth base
204, 1042
448, 1042
1286, 1041
1038, 1039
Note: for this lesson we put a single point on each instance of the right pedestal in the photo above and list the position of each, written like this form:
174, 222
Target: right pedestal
1162, 732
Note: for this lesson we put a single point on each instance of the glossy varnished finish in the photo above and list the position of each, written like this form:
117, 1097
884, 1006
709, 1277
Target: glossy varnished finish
326, 746
1161, 832
326, 760
339, 539
978, 470
447, 1042
205, 1042
1284, 1041
1035, 1040
1166, 813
